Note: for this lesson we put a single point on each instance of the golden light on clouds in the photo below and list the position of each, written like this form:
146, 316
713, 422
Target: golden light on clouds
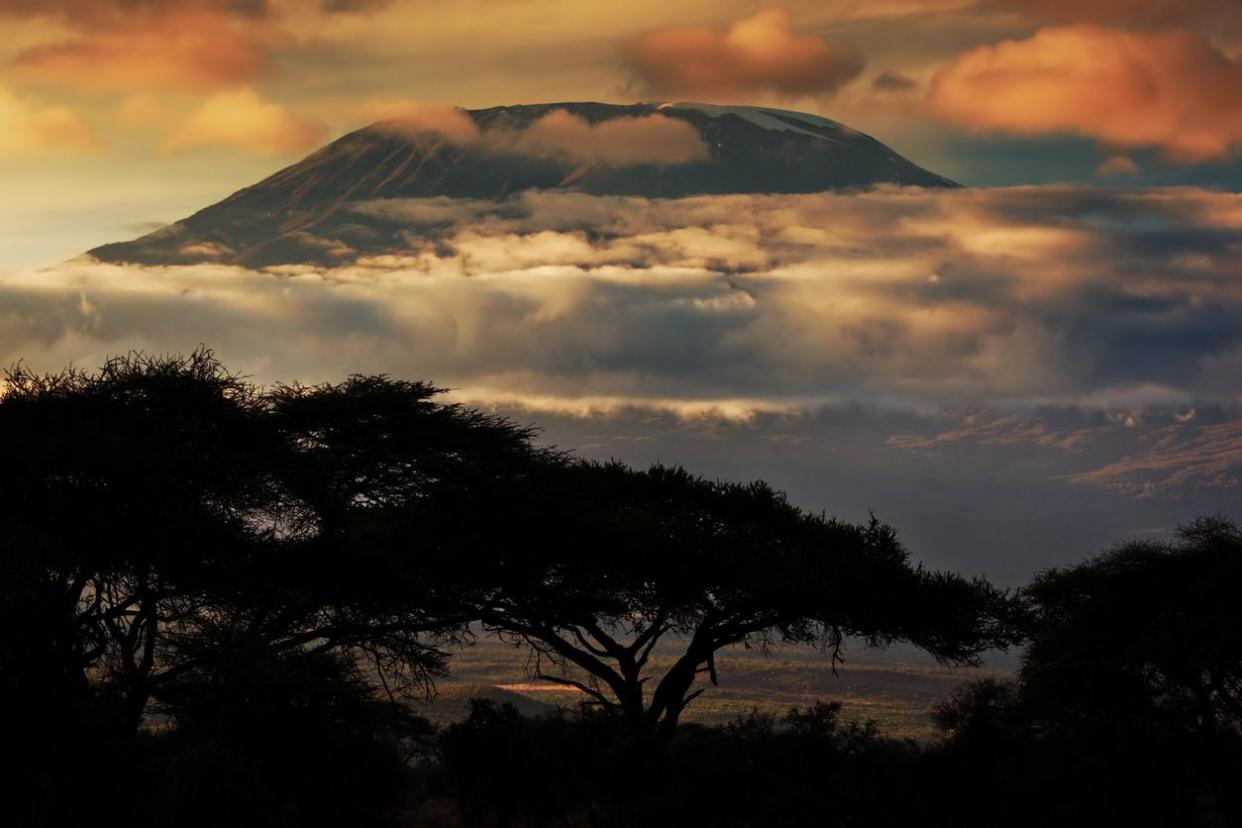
183, 52
28, 128
648, 139
757, 54
907, 297
242, 119
144, 83
1171, 90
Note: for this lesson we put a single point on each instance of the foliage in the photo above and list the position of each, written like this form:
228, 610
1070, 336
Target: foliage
1127, 700
591, 768
216, 598
600, 562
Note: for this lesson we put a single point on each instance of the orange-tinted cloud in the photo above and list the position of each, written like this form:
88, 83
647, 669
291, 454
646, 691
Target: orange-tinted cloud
90, 11
243, 119
651, 139
26, 128
1172, 90
416, 118
141, 111
1115, 165
182, 51
759, 54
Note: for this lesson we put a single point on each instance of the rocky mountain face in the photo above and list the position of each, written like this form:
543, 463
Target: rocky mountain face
306, 212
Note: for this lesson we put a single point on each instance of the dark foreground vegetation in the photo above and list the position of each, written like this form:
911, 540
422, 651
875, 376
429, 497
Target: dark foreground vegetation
215, 600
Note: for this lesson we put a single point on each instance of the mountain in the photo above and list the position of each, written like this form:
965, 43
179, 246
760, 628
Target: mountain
304, 213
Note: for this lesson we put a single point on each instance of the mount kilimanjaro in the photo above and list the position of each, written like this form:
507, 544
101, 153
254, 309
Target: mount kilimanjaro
306, 213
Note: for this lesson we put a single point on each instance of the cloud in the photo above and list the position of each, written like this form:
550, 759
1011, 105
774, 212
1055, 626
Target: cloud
650, 139
29, 128
87, 11
1172, 90
243, 119
902, 298
414, 118
351, 6
141, 111
138, 46
759, 54
1017, 346
1115, 165
91, 11
891, 81
1141, 14
169, 49
1182, 455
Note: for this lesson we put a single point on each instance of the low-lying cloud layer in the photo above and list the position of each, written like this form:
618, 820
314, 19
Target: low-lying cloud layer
1033, 351
904, 297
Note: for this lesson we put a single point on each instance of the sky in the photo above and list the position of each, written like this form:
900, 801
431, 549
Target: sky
117, 115
1014, 374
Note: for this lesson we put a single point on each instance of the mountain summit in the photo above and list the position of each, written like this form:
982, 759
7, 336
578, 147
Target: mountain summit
305, 213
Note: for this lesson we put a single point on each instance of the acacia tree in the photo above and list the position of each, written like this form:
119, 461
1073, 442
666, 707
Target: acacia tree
362, 463
1147, 637
161, 508
125, 492
595, 565
1128, 702
1147, 626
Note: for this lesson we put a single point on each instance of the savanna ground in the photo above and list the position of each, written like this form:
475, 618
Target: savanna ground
897, 687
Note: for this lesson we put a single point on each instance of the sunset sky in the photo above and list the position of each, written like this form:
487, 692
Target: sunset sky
119, 114
1012, 373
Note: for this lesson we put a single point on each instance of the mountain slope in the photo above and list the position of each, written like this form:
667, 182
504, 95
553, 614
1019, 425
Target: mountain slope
303, 213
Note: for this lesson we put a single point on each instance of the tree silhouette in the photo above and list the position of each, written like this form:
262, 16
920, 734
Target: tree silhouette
597, 564
163, 499
1127, 701
161, 511
1149, 635
1147, 627
263, 572
127, 493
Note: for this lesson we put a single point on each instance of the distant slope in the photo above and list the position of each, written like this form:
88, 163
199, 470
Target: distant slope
302, 213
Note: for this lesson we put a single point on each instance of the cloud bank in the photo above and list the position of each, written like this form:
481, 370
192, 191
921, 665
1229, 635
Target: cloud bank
1053, 366
904, 298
